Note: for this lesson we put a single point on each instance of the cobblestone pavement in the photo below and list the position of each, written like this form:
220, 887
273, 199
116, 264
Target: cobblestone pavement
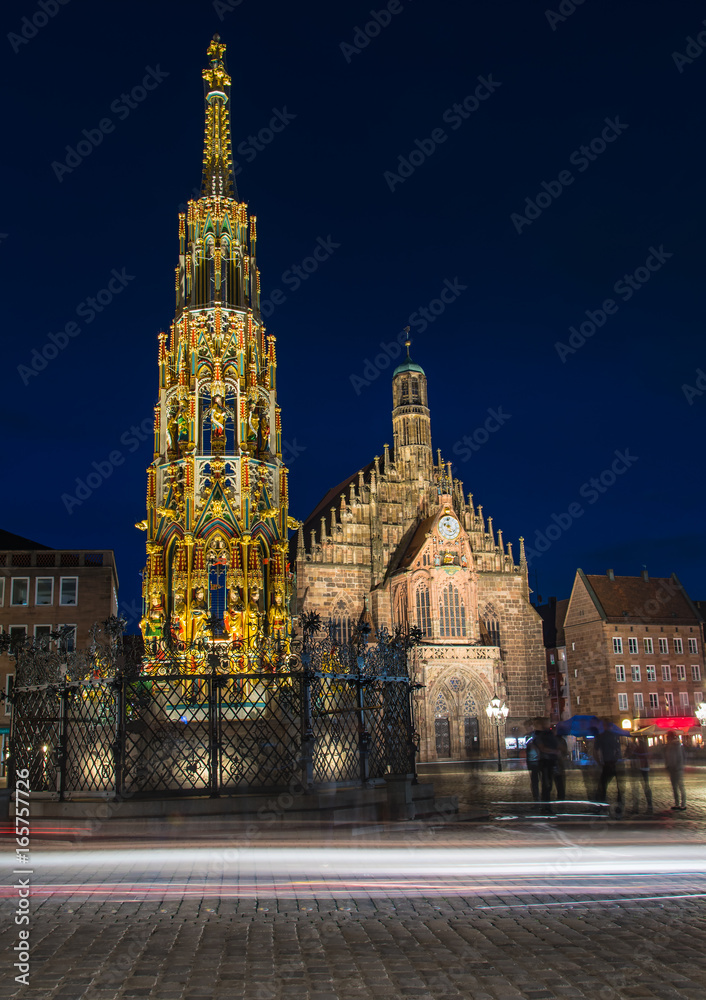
149, 924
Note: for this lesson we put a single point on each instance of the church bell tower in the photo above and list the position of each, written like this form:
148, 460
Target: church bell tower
411, 421
217, 501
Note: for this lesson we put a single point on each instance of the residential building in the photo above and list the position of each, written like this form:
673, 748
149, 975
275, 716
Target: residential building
634, 647
43, 589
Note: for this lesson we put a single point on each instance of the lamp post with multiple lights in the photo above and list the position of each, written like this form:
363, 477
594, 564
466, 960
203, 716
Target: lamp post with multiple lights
497, 713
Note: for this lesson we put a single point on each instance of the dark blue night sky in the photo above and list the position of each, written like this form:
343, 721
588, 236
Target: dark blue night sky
444, 155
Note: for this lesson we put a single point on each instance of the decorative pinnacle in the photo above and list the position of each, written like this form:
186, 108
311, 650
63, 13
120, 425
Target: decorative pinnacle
408, 342
217, 179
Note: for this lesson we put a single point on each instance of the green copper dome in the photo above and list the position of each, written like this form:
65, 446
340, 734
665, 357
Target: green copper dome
408, 366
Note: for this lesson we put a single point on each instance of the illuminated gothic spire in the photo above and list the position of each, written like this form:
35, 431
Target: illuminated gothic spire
218, 181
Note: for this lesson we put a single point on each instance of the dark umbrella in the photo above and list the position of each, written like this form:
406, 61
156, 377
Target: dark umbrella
581, 725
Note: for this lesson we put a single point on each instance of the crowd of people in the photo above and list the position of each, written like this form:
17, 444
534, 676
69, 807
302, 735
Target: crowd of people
604, 760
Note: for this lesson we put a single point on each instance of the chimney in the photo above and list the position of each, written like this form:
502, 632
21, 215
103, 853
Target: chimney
610, 574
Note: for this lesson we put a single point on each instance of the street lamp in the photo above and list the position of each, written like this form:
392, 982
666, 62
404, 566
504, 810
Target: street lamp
701, 714
497, 712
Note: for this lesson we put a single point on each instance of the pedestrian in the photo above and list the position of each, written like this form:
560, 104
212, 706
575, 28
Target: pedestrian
548, 753
532, 761
606, 747
640, 772
674, 761
560, 768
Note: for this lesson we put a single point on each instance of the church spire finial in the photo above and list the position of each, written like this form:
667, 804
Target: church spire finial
217, 181
408, 342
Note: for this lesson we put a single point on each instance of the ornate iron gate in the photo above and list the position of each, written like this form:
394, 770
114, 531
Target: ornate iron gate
209, 719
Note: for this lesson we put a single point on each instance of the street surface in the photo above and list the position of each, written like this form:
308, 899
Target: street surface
490, 910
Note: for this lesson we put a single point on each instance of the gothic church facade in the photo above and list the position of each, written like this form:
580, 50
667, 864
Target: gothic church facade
399, 544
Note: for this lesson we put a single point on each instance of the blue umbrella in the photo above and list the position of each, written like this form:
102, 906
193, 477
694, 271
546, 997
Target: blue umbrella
581, 725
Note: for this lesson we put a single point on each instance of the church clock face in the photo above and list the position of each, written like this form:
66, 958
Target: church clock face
449, 527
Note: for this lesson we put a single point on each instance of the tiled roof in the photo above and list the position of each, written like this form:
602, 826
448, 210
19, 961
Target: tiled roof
658, 599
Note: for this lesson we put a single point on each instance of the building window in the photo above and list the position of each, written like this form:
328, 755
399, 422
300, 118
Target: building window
423, 610
684, 699
681, 672
695, 672
44, 592
669, 702
452, 613
20, 590
698, 697
666, 673
678, 646
637, 701
69, 590
41, 635
635, 672
415, 390
654, 701
67, 643
2, 591
649, 646
651, 672
619, 672
693, 646
405, 391
9, 681
632, 646
617, 644
17, 634
664, 645
622, 702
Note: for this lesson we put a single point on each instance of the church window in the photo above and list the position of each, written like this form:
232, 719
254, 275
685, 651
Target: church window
455, 683
441, 709
405, 391
469, 706
423, 611
415, 390
341, 624
452, 613
491, 625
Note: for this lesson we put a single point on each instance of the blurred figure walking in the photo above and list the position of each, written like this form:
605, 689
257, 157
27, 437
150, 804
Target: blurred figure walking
532, 758
640, 772
606, 747
674, 761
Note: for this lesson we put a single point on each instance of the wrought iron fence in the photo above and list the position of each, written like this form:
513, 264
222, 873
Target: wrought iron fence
211, 718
